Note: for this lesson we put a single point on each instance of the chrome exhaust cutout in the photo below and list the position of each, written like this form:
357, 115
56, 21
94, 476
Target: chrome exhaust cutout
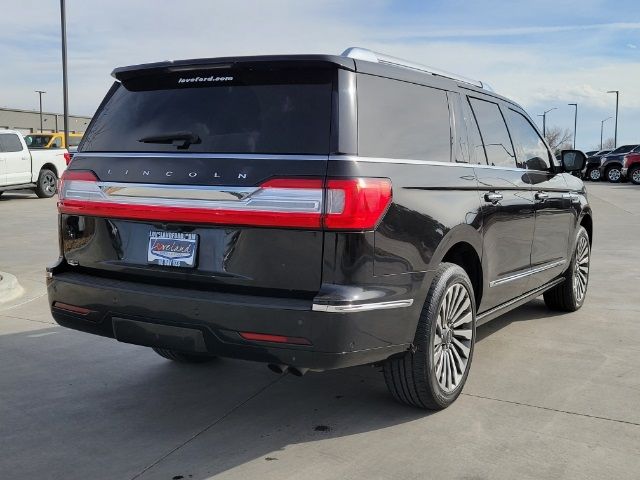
298, 372
278, 368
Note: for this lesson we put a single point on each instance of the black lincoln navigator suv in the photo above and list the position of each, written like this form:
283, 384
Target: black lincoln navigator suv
315, 212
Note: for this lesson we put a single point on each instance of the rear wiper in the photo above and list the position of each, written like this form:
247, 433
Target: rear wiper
179, 139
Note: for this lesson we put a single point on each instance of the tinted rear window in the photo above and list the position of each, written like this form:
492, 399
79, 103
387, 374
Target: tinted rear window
402, 120
285, 111
9, 142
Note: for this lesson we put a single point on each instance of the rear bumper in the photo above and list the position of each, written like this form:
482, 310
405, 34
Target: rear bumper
210, 322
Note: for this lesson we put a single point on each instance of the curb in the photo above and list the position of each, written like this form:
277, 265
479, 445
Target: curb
10, 289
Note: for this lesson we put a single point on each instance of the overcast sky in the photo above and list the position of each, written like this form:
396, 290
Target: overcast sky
541, 53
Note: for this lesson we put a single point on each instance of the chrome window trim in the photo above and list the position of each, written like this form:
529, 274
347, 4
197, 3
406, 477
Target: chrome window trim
242, 156
358, 158
526, 273
361, 307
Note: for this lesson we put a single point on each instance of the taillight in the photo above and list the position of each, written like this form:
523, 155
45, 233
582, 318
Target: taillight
67, 158
356, 203
341, 204
625, 161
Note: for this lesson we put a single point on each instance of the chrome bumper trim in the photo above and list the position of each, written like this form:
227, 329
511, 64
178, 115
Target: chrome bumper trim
361, 307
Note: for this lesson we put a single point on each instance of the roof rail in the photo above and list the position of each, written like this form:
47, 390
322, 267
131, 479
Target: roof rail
370, 56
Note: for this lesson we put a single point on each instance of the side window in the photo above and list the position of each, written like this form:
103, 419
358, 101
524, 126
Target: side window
495, 135
530, 149
402, 120
475, 140
56, 143
9, 142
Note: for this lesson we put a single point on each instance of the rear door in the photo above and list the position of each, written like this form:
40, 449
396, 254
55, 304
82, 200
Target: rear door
17, 161
553, 201
508, 206
233, 159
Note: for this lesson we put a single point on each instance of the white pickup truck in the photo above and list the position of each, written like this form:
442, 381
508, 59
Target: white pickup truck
21, 168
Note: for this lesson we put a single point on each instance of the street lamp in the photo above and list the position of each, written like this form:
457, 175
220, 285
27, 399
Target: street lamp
544, 120
65, 96
40, 92
575, 123
615, 135
602, 128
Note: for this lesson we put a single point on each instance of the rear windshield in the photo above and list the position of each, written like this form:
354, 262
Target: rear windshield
37, 141
234, 111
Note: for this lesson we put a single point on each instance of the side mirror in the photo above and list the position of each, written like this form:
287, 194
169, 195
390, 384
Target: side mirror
573, 160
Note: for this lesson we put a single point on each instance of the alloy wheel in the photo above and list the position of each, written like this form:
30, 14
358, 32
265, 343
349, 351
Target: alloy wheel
49, 183
594, 174
453, 337
635, 176
614, 175
581, 269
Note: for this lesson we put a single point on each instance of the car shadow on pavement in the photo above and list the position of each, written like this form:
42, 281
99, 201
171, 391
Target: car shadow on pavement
78, 406
534, 310
18, 195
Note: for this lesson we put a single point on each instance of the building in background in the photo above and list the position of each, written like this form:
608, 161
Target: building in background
28, 121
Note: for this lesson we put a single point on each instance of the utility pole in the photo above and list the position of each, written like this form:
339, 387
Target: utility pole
602, 128
65, 96
575, 123
40, 92
544, 120
615, 135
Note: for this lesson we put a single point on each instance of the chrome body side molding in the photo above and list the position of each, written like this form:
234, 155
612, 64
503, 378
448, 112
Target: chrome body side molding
526, 273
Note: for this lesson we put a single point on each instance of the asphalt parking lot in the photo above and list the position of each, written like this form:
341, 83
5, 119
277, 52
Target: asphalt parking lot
549, 396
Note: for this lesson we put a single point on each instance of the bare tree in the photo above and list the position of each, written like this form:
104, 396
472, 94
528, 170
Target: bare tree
608, 144
559, 139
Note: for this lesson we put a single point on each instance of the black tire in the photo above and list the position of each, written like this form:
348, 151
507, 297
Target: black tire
593, 172
47, 185
181, 356
634, 175
411, 378
565, 297
613, 171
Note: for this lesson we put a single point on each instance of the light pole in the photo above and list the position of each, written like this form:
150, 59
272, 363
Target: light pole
40, 92
544, 120
615, 135
602, 128
65, 97
575, 123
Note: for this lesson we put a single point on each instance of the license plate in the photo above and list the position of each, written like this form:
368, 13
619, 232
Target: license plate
172, 249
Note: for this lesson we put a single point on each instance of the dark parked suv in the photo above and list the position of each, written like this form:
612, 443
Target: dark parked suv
611, 164
314, 212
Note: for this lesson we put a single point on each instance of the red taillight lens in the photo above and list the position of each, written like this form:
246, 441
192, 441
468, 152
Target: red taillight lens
67, 158
356, 203
343, 204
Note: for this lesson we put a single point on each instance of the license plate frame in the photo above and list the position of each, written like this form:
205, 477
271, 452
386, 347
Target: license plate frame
172, 249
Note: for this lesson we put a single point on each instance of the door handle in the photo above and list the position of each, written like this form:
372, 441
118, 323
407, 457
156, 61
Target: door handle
542, 196
493, 197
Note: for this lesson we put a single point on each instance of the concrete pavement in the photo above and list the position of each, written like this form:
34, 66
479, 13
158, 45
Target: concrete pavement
549, 396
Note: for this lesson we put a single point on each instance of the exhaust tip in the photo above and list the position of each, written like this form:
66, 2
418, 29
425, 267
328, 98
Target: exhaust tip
298, 372
277, 368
